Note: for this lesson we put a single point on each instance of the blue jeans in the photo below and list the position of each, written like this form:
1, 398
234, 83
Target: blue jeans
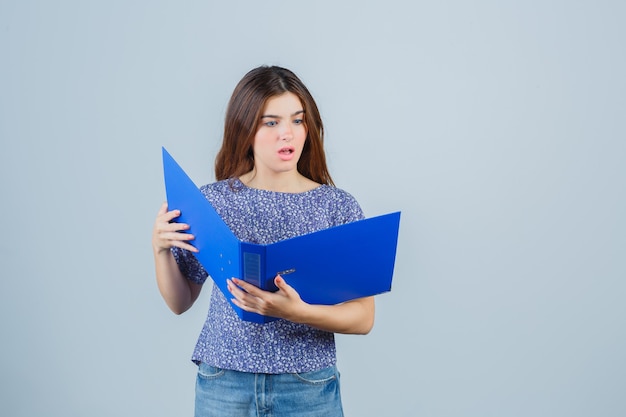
226, 393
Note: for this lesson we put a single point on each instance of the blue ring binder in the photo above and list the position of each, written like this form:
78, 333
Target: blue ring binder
342, 263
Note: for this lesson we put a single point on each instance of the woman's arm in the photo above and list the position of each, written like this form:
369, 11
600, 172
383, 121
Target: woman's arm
178, 292
351, 317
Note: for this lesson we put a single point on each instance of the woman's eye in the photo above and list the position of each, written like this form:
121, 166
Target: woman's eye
271, 123
298, 121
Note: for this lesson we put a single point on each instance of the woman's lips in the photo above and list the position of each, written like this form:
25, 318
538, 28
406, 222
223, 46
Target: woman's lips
286, 153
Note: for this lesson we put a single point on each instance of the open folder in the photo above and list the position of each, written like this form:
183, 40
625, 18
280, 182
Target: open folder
329, 266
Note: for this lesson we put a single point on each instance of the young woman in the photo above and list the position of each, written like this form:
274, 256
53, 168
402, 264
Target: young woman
272, 184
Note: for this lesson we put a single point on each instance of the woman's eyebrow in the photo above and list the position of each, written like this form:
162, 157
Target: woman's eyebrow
273, 116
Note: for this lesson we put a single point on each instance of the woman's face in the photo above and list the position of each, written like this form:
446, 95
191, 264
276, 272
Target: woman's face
280, 135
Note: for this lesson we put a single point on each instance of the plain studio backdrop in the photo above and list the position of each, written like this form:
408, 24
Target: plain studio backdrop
497, 127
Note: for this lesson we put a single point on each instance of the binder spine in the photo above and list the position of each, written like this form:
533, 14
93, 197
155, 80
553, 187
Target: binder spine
253, 261
253, 264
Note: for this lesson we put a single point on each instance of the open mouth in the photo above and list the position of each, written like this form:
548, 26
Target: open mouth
286, 151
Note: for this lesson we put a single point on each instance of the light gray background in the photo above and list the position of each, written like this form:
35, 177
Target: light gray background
497, 127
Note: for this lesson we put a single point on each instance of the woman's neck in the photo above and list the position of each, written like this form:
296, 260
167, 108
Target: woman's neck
284, 183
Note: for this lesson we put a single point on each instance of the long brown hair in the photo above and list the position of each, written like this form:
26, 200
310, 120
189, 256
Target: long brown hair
244, 111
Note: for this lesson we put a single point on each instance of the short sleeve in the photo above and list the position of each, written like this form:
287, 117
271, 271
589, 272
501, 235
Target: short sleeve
189, 265
347, 208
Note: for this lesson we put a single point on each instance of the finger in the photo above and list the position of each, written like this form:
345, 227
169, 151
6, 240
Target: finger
165, 240
163, 208
172, 227
165, 235
184, 245
281, 283
243, 306
289, 291
234, 289
249, 288
241, 296
168, 216
237, 288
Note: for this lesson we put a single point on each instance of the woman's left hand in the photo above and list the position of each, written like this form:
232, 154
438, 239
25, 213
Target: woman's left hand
352, 317
284, 303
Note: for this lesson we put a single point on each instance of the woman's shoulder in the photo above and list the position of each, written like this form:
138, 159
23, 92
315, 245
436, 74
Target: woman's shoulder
336, 194
344, 205
212, 186
227, 186
219, 192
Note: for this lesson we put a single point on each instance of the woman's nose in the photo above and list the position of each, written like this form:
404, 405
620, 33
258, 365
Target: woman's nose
286, 132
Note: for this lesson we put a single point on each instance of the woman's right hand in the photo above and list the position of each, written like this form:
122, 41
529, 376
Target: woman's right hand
167, 234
